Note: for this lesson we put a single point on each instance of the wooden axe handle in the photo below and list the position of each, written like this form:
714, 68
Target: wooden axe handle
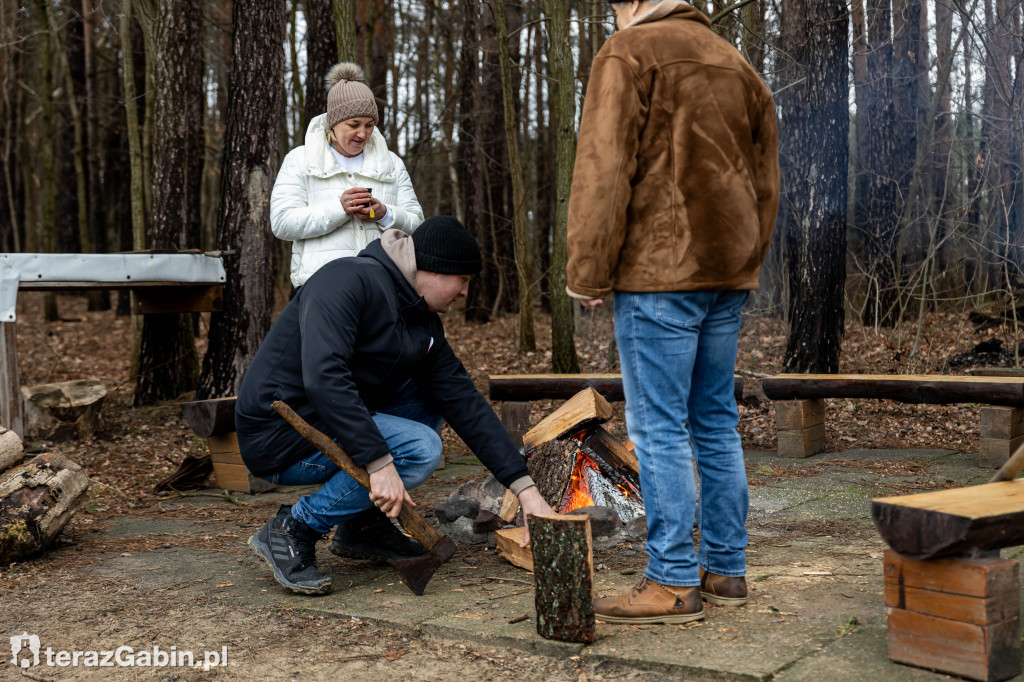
1011, 467
410, 519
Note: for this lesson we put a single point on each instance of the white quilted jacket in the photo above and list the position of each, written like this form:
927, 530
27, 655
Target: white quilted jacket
305, 208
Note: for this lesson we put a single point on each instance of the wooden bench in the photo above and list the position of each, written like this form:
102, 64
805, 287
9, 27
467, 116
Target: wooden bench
516, 391
214, 420
160, 283
800, 406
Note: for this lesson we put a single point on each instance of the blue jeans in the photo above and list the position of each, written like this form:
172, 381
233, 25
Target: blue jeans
410, 428
678, 356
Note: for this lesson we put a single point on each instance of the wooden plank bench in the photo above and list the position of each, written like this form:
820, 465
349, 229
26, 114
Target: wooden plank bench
160, 283
214, 420
800, 406
516, 391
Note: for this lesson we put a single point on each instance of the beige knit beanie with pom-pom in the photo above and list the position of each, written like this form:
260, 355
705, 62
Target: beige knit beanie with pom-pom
347, 94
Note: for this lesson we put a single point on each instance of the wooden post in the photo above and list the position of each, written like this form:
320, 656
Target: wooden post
1002, 431
11, 414
563, 569
800, 425
515, 415
955, 615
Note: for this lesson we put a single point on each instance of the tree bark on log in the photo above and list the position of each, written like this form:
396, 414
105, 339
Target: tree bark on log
563, 569
954, 521
910, 388
10, 449
550, 467
37, 499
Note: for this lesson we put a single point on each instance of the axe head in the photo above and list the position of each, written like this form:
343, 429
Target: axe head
417, 571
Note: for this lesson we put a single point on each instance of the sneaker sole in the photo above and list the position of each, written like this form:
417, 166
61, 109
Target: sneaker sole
263, 551
666, 619
723, 601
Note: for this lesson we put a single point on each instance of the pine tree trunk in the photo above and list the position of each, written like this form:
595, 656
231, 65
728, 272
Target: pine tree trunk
884, 266
815, 122
321, 54
563, 345
524, 260
168, 362
250, 165
345, 30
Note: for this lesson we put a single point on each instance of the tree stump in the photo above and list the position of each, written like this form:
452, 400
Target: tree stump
563, 569
10, 449
37, 499
64, 410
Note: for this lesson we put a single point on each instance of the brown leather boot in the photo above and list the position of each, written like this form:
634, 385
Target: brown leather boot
721, 590
650, 602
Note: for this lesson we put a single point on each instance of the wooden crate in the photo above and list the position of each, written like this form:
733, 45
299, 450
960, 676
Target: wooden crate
955, 615
229, 471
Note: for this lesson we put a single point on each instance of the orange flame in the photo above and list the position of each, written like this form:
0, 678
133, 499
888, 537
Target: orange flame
577, 494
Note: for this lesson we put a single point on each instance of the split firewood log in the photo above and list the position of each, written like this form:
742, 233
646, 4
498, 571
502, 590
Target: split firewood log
64, 410
10, 449
37, 499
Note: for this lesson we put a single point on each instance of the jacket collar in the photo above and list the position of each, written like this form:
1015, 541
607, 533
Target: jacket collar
394, 250
667, 7
377, 164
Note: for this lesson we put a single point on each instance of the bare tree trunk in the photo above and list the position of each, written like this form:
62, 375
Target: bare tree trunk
321, 54
815, 123
563, 346
250, 165
524, 262
168, 362
884, 266
49, 171
345, 29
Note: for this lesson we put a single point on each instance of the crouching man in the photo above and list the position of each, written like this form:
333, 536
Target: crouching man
360, 354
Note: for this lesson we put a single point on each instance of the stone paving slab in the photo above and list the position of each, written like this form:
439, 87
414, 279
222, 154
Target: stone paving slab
816, 609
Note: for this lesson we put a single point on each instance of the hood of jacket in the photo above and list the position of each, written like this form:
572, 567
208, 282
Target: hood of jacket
377, 164
395, 252
667, 7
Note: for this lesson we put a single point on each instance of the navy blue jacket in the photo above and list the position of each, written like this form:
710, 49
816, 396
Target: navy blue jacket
353, 334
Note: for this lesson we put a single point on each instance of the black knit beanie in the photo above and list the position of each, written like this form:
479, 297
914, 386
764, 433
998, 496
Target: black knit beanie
443, 245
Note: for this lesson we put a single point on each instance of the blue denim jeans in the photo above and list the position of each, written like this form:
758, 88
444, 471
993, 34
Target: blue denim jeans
409, 426
678, 356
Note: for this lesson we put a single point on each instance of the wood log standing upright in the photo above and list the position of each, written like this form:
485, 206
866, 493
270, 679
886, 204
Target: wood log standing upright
37, 499
563, 569
64, 410
10, 449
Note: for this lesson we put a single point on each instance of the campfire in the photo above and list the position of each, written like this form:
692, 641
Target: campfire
595, 482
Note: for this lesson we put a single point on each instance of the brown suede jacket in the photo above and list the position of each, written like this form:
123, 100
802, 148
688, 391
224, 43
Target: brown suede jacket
676, 181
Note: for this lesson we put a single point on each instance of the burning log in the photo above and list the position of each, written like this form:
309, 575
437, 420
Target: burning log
563, 565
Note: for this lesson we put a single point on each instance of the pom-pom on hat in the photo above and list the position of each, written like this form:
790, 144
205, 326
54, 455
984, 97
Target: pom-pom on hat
443, 245
347, 94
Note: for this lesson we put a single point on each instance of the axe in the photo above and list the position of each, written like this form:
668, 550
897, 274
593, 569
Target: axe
415, 572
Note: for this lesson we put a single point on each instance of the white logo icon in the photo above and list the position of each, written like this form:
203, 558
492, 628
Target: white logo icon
19, 642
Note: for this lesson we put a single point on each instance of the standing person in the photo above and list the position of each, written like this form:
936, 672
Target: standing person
674, 196
338, 192
360, 353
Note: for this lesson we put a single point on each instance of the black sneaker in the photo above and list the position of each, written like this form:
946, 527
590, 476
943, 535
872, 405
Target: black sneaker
371, 535
289, 547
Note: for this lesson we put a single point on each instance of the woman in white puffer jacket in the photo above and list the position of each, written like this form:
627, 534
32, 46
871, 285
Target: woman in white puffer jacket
343, 188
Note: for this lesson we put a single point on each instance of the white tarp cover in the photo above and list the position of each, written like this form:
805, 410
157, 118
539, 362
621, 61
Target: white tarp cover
101, 268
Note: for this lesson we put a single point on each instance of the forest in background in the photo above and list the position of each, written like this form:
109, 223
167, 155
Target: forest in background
159, 124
